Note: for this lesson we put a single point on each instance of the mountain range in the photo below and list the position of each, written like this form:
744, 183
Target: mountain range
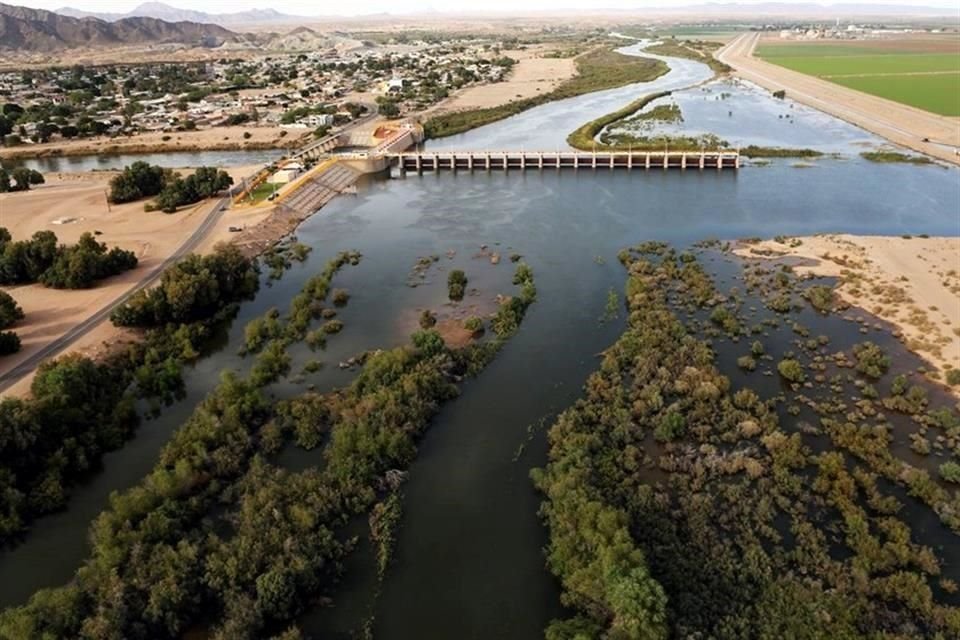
36, 30
166, 12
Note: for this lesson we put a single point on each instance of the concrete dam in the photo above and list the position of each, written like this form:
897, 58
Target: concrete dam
539, 160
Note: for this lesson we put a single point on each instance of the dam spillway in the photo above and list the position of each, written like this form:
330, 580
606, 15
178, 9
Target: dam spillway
527, 160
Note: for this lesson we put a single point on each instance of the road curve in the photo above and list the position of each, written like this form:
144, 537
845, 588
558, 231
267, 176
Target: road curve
929, 133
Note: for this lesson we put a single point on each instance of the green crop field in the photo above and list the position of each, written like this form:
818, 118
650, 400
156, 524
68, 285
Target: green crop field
927, 80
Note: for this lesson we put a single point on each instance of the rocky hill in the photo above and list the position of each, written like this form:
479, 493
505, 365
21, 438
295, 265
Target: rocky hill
35, 30
166, 12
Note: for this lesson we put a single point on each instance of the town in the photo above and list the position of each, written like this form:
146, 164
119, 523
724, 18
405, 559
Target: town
302, 92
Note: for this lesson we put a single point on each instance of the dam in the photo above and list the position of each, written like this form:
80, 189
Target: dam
527, 160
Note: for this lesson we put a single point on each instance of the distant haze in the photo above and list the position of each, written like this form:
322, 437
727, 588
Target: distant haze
361, 7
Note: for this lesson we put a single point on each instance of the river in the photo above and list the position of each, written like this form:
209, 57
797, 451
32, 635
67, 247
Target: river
469, 560
174, 160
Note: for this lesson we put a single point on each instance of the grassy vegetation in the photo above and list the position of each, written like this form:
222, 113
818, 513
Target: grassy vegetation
597, 70
693, 50
262, 191
753, 151
584, 137
894, 156
887, 73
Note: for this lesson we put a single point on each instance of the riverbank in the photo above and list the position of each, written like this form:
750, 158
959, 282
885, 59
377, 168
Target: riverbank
535, 72
219, 139
597, 70
936, 136
911, 282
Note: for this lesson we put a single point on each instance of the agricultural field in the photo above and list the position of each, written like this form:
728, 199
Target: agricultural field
923, 73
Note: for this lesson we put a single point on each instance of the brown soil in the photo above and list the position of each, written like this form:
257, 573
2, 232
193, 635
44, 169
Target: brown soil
913, 283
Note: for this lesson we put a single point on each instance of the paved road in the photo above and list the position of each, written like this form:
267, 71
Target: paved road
12, 376
53, 348
929, 133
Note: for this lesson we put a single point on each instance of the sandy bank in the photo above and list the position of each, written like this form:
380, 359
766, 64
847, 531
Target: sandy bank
70, 205
218, 139
913, 283
533, 74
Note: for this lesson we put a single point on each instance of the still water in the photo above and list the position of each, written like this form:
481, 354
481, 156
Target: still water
469, 560
172, 160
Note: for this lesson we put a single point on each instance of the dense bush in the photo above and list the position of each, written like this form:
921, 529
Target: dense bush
206, 182
193, 289
871, 360
10, 311
83, 264
158, 569
137, 181
729, 527
20, 179
9, 343
78, 409
456, 284
791, 370
59, 266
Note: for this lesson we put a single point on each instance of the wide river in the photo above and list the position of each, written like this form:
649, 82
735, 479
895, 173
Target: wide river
469, 561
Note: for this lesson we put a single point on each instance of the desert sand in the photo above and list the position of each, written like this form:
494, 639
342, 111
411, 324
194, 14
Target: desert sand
216, 139
81, 199
533, 74
913, 283
898, 123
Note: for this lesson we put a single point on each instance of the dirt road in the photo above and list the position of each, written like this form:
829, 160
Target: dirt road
903, 125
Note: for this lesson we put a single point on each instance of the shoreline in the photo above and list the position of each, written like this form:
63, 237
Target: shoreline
896, 123
264, 227
910, 282
223, 139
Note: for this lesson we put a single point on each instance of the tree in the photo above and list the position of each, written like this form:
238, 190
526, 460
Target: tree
22, 176
9, 343
139, 180
4, 180
10, 311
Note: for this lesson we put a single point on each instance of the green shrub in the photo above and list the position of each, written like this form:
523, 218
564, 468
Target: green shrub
427, 319
950, 471
791, 370
473, 324
340, 297
456, 284
871, 360
672, 426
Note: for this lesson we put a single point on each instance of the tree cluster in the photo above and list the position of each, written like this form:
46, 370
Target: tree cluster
41, 259
19, 179
193, 289
142, 180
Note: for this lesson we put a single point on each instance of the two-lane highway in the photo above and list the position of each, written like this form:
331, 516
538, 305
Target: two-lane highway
51, 349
